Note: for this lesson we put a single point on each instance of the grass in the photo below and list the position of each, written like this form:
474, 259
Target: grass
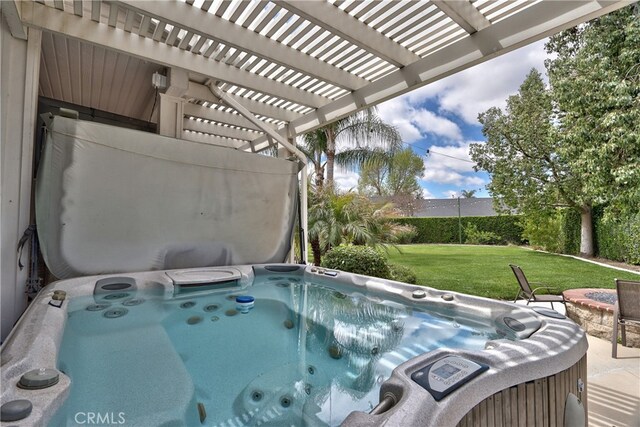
484, 270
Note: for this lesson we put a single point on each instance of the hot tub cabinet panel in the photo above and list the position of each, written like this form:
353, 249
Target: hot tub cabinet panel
522, 365
534, 403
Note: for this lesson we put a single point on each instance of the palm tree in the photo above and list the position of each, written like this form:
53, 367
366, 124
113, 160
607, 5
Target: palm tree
369, 136
468, 194
348, 218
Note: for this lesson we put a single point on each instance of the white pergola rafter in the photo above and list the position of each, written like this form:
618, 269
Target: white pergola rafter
351, 29
463, 13
49, 19
300, 64
534, 23
218, 130
209, 26
207, 113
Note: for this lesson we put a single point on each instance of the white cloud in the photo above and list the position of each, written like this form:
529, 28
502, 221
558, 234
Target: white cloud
451, 194
451, 165
415, 122
428, 122
345, 180
476, 89
426, 194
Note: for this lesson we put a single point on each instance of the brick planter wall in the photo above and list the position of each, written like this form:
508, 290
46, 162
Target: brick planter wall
595, 317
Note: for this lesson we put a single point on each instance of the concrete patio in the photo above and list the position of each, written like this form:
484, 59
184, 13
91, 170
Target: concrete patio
613, 385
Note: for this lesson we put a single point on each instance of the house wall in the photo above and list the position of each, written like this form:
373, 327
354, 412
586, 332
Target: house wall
19, 69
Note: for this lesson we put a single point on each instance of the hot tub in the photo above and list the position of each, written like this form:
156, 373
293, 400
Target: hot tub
287, 345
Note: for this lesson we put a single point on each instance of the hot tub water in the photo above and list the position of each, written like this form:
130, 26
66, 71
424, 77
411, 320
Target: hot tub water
304, 354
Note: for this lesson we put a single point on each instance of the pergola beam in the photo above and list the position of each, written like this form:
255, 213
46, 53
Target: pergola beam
463, 13
534, 23
50, 19
201, 92
340, 23
210, 26
270, 132
11, 13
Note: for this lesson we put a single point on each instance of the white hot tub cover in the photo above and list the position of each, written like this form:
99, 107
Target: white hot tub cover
110, 199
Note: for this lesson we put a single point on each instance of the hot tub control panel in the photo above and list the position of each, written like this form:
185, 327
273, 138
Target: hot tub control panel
447, 374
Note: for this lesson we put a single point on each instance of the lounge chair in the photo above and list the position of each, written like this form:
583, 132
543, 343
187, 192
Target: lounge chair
531, 295
626, 311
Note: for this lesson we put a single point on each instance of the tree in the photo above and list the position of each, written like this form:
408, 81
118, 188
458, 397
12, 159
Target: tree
577, 143
396, 175
596, 85
366, 136
314, 144
468, 194
524, 157
373, 178
405, 167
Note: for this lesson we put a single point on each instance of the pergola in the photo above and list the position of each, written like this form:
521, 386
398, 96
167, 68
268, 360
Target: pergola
249, 75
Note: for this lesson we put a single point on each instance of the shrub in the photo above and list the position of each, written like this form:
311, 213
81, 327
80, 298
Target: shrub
357, 259
404, 233
479, 237
544, 232
401, 273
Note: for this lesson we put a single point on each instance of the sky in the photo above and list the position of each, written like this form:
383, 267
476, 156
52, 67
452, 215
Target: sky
443, 117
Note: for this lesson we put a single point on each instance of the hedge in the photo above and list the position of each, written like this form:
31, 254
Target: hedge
571, 222
616, 238
445, 229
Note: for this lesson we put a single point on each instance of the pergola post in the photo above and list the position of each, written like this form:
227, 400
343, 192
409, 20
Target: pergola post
171, 111
303, 220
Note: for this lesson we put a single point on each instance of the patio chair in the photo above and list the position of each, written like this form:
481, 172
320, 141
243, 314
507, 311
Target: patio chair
626, 311
531, 295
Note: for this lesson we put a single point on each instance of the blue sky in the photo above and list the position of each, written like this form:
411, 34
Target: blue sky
442, 117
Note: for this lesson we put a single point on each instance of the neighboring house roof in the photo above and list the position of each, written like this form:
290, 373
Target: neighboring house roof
449, 207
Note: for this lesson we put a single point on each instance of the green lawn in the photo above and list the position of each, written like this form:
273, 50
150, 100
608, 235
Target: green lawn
484, 270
